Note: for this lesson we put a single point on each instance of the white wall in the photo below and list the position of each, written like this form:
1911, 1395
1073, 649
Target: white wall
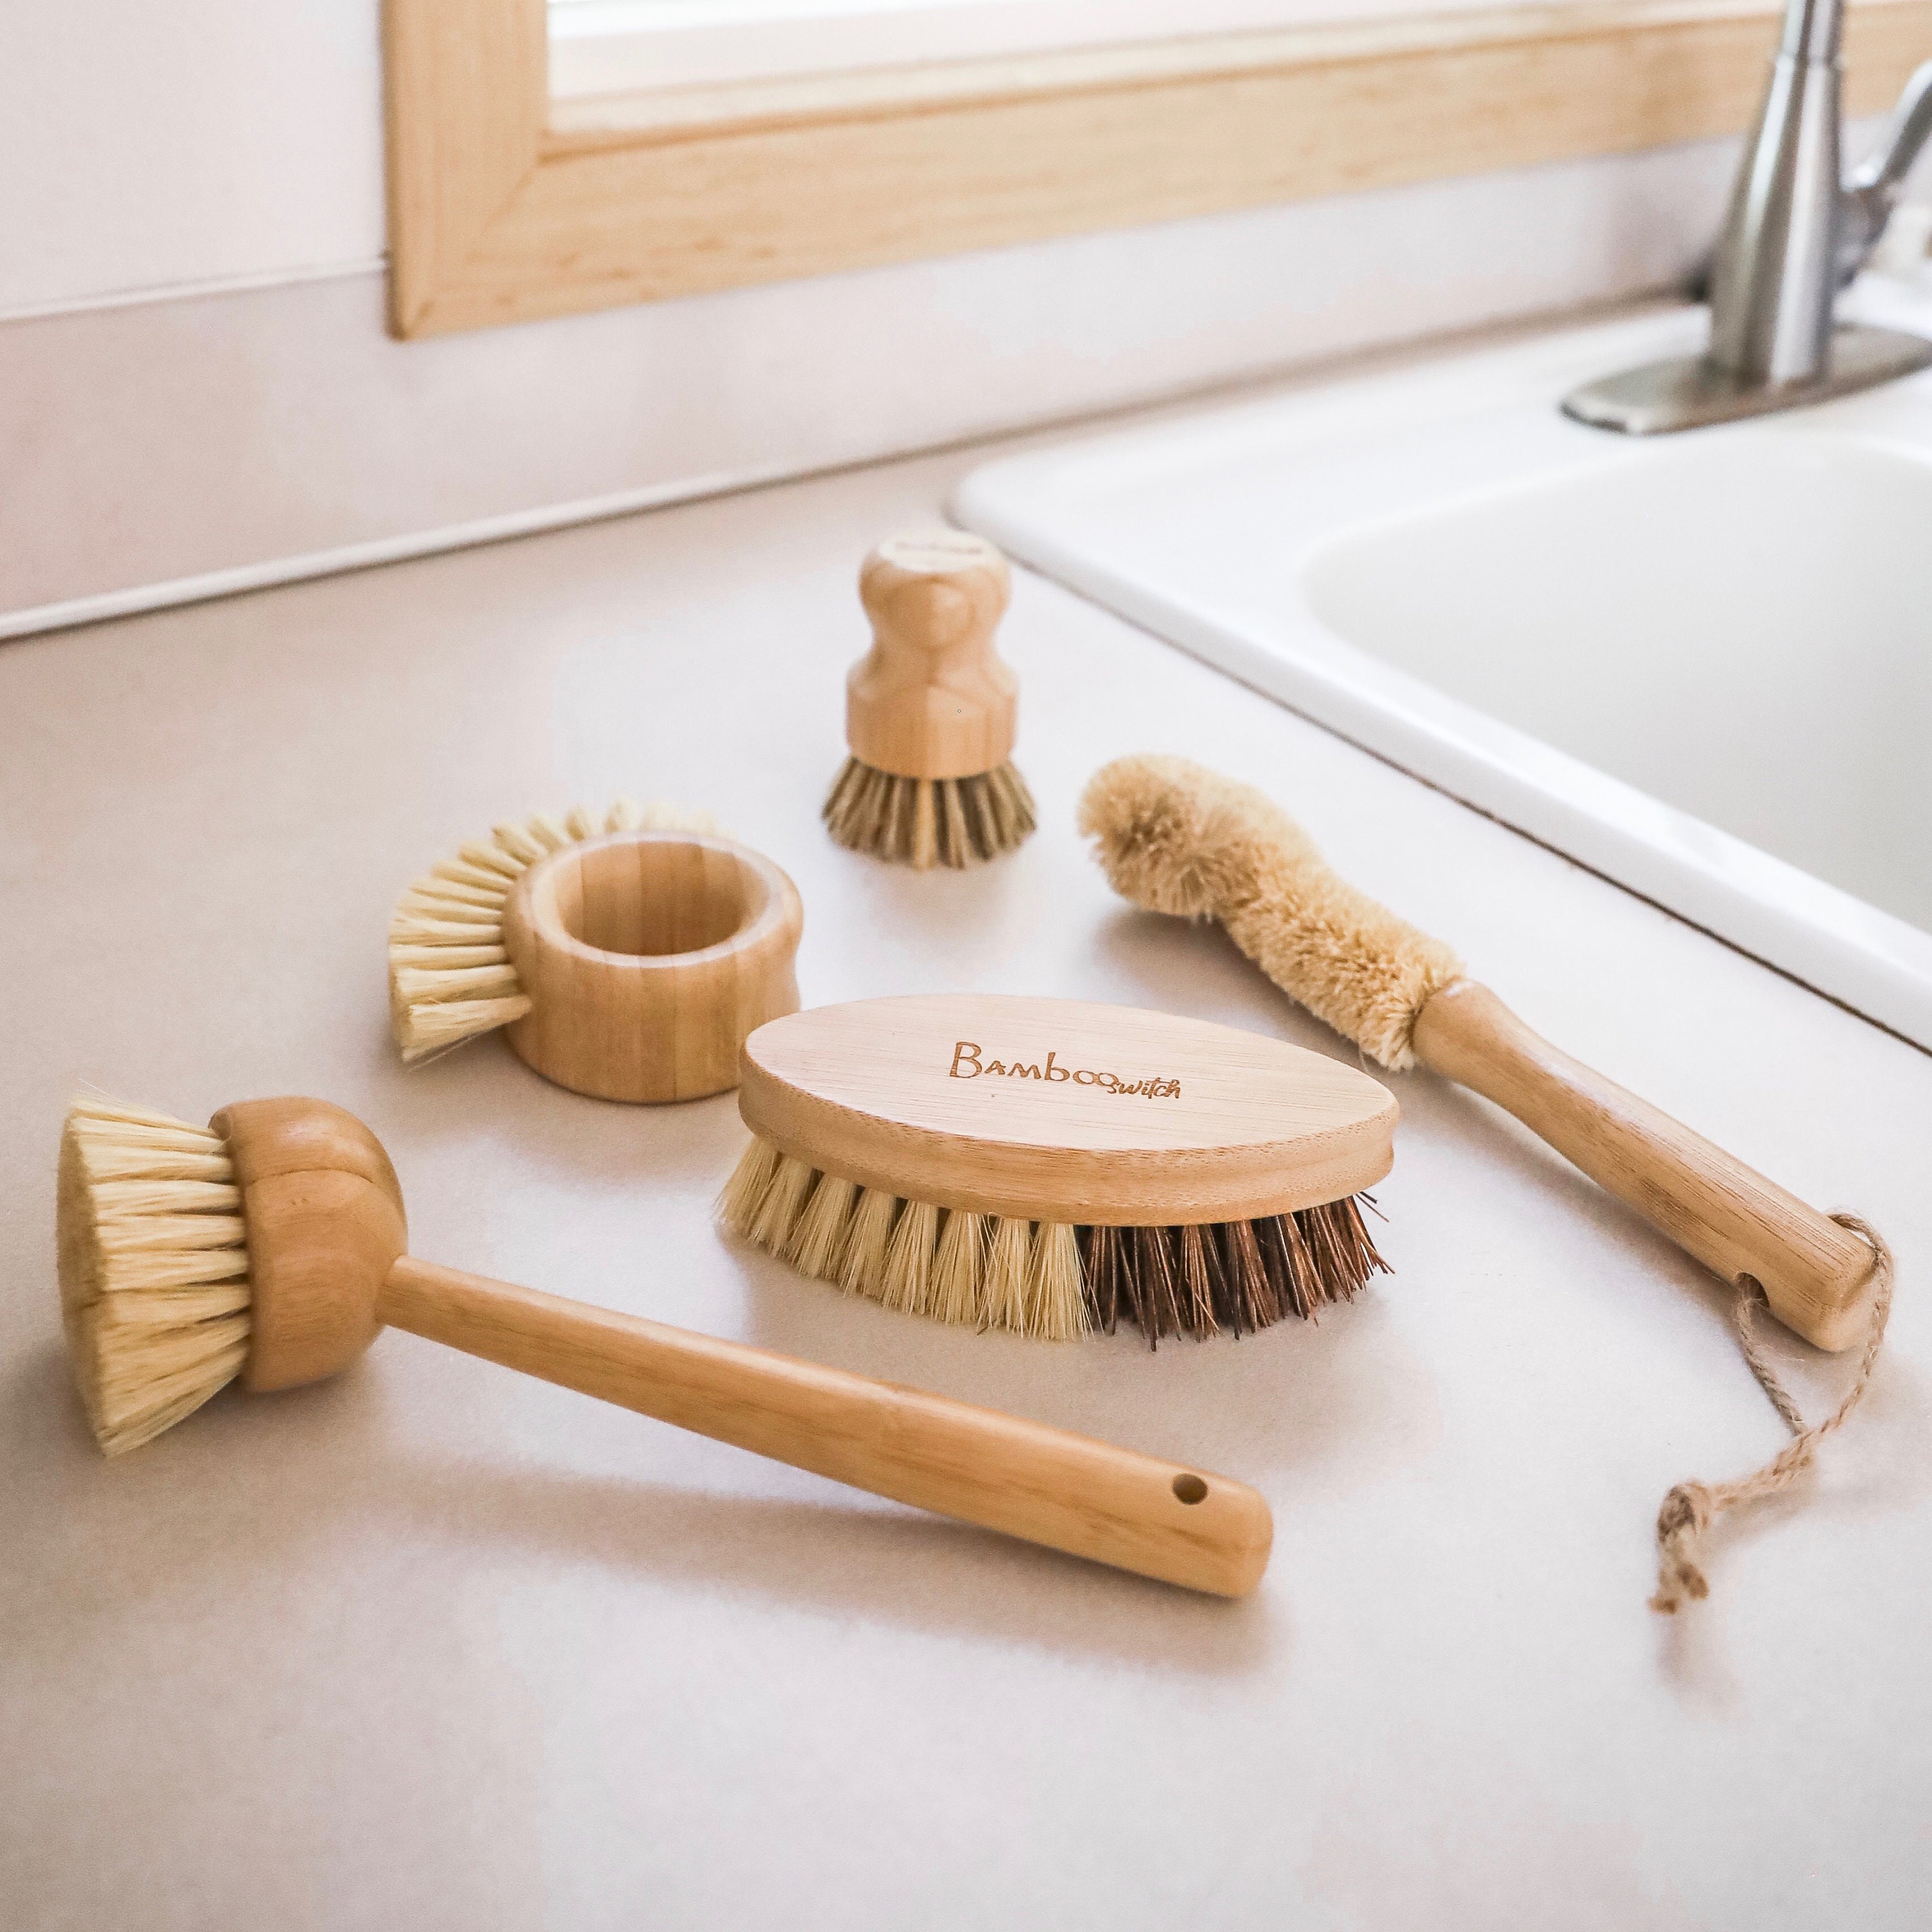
158, 145
149, 144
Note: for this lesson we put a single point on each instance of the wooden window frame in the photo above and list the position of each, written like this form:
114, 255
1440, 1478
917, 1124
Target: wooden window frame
501, 211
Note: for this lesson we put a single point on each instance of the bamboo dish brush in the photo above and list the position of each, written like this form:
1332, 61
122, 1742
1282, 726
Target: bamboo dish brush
1049, 1167
627, 954
1174, 837
270, 1247
931, 712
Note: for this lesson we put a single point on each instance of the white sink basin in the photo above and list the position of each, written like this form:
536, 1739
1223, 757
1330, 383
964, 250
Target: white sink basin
1702, 664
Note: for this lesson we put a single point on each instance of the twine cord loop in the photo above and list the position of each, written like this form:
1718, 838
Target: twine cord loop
1684, 1520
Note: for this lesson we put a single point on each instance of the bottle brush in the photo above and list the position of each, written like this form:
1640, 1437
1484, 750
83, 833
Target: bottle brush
1176, 838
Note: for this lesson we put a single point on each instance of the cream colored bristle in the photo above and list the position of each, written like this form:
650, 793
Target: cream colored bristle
449, 977
457, 984
1009, 1262
1056, 1299
958, 1269
908, 1286
154, 1268
492, 858
817, 1243
861, 1269
784, 1202
1174, 837
744, 1192
549, 832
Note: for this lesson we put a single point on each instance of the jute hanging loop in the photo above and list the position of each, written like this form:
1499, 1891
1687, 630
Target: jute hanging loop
1689, 1510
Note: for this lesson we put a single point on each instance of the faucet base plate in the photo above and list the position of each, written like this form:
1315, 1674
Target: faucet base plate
1690, 392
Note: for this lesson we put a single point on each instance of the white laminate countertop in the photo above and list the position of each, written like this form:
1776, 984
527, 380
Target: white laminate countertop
434, 1646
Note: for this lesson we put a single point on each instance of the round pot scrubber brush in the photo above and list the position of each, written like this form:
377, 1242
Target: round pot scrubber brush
271, 1247
1175, 838
628, 954
1047, 1167
931, 712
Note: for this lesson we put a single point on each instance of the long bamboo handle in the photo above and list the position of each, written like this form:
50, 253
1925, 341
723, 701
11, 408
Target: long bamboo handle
1816, 1275
1043, 1485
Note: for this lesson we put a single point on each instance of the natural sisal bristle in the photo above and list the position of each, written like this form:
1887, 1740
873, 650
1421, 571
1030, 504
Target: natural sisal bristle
1046, 1279
1176, 838
449, 977
927, 822
817, 1243
1008, 1258
154, 1268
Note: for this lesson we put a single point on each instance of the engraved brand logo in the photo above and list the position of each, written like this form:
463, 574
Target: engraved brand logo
967, 1065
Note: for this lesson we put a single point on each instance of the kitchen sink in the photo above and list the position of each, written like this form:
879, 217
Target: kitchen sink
1700, 664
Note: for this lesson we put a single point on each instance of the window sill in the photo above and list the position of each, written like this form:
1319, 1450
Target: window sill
506, 207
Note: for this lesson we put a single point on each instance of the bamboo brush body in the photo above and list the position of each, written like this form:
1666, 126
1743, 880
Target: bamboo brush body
1175, 838
931, 712
1049, 1167
270, 1247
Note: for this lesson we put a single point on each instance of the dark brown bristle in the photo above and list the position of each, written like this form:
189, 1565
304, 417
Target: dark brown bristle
1252, 1299
1240, 1275
1101, 1263
1301, 1279
1198, 1296
1158, 1304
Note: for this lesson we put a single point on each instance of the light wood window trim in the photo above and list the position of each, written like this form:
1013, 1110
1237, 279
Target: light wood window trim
500, 213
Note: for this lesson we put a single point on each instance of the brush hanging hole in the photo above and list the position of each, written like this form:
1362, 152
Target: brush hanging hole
647, 957
1190, 1489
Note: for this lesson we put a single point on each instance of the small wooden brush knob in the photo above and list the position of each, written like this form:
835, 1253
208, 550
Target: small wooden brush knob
324, 1222
931, 699
648, 956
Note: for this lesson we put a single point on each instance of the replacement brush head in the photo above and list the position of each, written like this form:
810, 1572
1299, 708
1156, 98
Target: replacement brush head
451, 977
930, 711
1050, 1167
628, 954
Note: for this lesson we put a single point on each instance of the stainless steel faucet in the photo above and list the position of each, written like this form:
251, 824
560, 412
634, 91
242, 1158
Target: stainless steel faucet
1795, 235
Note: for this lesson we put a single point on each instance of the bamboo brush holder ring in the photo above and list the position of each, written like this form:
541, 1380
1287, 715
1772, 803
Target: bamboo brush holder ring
648, 957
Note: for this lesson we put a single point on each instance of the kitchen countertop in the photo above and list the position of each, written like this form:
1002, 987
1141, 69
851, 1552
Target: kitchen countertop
435, 1646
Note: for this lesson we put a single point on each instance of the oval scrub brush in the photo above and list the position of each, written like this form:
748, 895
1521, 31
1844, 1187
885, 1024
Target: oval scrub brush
931, 712
1176, 838
628, 954
1047, 1167
270, 1247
